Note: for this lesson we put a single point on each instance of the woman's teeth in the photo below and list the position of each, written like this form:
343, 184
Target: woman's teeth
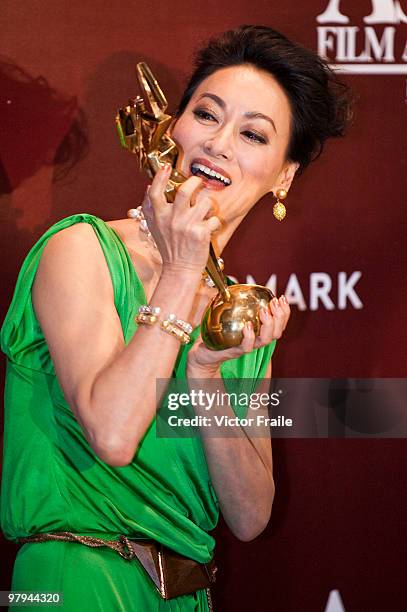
211, 174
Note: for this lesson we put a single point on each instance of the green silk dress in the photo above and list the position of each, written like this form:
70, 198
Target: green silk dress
53, 481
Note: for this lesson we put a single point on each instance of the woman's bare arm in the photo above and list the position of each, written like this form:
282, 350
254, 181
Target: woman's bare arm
110, 387
240, 464
239, 457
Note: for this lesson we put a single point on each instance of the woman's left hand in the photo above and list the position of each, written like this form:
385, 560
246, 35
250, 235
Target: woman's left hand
203, 362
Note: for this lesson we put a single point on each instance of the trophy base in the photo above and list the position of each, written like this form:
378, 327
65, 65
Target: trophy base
223, 321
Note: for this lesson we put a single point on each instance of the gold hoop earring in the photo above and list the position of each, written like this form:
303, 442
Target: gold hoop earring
279, 210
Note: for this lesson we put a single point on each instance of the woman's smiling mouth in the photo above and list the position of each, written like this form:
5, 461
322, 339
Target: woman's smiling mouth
214, 177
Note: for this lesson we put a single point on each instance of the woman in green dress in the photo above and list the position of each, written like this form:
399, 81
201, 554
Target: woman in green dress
81, 450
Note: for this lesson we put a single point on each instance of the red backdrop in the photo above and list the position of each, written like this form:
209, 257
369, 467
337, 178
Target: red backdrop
338, 519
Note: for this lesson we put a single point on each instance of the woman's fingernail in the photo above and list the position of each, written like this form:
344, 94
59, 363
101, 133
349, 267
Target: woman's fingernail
249, 325
266, 311
275, 302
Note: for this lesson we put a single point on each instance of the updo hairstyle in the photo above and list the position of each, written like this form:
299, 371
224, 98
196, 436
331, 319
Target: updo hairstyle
320, 103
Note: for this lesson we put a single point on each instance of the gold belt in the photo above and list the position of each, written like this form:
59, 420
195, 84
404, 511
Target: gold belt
172, 573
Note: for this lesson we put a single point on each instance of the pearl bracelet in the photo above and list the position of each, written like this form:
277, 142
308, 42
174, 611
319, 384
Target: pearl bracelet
148, 315
184, 325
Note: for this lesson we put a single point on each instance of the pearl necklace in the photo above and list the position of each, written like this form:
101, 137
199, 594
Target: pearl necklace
138, 215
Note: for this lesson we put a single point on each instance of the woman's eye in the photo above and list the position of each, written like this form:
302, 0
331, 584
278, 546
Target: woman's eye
203, 114
254, 136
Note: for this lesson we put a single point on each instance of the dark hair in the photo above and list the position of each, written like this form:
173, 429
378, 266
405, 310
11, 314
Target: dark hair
320, 104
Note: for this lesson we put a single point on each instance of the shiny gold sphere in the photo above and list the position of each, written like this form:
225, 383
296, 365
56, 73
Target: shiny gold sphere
281, 194
223, 321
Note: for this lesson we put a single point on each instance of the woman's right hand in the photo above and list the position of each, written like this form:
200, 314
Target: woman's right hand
182, 229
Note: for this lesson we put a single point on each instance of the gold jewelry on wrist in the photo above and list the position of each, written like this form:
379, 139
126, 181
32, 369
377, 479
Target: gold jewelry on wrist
146, 319
148, 315
172, 328
180, 329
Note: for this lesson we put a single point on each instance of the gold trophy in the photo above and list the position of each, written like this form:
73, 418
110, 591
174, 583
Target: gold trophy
143, 132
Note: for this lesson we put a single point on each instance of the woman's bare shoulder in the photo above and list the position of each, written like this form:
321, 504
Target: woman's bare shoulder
82, 237
77, 240
77, 248
71, 255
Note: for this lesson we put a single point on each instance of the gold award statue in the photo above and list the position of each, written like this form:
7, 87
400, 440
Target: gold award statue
143, 132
